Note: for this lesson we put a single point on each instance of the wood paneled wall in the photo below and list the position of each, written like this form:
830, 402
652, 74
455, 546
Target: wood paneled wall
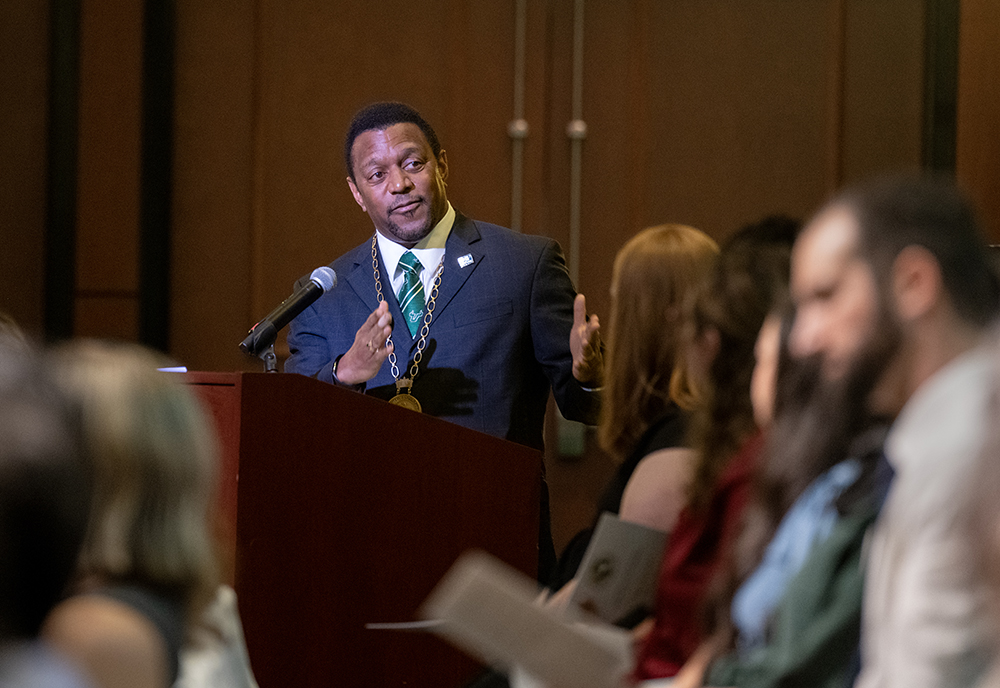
215, 144
978, 138
24, 66
108, 180
701, 111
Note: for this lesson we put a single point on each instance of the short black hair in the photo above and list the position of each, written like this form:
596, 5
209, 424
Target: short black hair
380, 116
929, 211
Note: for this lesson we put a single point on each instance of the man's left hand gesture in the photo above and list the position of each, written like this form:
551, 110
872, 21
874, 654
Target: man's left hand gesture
585, 345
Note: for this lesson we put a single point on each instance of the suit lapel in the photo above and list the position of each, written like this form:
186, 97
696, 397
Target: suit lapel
460, 260
362, 281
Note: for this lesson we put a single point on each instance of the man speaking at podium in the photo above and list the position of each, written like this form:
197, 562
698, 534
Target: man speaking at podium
483, 327
470, 321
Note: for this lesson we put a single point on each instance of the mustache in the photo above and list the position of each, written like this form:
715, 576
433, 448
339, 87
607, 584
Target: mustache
406, 202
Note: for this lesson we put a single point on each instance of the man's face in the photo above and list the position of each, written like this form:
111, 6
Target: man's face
399, 182
837, 305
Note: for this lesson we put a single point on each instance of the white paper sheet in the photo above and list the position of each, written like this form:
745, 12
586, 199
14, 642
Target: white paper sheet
619, 570
489, 610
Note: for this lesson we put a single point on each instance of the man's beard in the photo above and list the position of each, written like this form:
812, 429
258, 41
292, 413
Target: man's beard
870, 366
410, 234
816, 423
816, 419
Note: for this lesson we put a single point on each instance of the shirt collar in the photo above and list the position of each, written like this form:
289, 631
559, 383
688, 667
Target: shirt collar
428, 249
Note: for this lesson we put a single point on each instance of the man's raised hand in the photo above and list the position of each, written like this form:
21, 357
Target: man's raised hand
585, 345
370, 349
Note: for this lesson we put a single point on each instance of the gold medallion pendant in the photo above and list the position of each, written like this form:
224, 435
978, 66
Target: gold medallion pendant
403, 397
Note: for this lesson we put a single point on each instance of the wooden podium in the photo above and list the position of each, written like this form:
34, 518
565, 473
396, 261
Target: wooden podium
347, 512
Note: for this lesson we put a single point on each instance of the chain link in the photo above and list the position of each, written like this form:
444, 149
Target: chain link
428, 316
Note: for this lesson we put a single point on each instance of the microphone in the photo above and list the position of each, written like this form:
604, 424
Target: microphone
263, 334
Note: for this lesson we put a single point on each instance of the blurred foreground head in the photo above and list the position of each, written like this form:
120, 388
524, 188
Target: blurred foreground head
44, 493
883, 266
154, 462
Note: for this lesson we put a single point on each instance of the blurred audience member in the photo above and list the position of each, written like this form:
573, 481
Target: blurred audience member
147, 564
647, 393
725, 319
893, 288
44, 499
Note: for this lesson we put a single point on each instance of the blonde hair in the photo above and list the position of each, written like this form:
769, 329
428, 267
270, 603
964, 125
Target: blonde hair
652, 276
154, 461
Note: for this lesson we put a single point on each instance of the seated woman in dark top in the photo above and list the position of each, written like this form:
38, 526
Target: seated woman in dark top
148, 565
647, 393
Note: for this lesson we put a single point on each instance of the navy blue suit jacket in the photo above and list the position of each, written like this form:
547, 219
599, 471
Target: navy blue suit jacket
498, 341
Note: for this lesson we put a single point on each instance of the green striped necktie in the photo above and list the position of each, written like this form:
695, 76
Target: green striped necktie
411, 294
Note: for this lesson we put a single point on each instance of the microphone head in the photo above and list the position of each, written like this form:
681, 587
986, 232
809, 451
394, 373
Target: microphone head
324, 277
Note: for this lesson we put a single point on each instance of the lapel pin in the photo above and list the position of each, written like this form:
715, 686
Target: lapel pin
465, 261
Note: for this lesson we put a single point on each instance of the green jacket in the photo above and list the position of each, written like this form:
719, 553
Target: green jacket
816, 627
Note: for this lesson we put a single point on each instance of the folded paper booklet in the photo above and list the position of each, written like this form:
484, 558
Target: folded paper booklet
488, 609
619, 570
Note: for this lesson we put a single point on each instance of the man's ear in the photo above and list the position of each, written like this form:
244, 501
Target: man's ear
442, 163
357, 195
916, 282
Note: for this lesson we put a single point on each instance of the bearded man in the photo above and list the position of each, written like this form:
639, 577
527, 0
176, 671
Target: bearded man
894, 292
